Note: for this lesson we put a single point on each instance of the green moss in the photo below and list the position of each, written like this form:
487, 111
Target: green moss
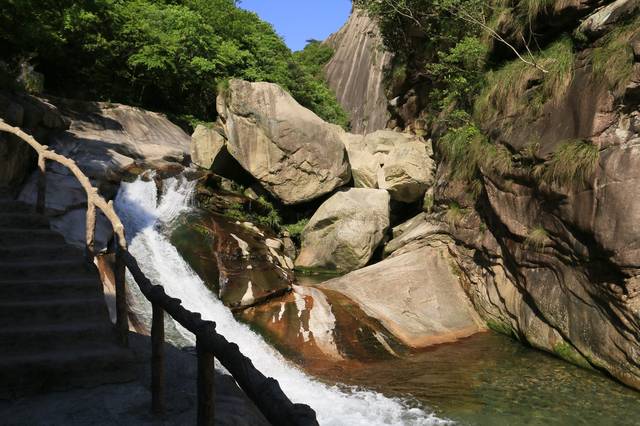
501, 327
612, 60
570, 354
574, 162
519, 88
295, 229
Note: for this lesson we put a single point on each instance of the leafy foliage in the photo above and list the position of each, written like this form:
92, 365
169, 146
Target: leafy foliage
295, 229
161, 54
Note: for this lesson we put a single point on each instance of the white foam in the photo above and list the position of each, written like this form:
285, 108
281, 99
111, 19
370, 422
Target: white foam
334, 405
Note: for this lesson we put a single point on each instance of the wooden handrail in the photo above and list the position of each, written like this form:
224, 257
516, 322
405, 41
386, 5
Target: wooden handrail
94, 200
264, 391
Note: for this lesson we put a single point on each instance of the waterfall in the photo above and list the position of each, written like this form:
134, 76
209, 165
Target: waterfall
143, 217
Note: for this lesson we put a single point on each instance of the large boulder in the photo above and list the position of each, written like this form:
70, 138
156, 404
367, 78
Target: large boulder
107, 141
416, 296
398, 162
292, 152
602, 21
206, 146
345, 231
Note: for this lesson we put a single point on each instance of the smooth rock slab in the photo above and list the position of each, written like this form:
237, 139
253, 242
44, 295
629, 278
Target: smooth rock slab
416, 296
320, 327
292, 152
345, 231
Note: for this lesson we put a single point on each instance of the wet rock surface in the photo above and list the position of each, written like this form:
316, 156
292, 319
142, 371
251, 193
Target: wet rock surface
319, 328
241, 263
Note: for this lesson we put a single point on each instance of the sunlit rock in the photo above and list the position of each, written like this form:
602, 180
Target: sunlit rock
416, 296
345, 230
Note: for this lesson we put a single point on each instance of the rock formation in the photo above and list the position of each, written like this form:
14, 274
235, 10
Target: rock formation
107, 141
344, 232
206, 146
400, 163
547, 254
356, 73
242, 264
416, 296
291, 151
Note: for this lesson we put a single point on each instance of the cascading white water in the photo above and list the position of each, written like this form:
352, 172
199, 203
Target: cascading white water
142, 216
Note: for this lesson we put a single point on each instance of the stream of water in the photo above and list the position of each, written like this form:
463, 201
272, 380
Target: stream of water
143, 216
487, 379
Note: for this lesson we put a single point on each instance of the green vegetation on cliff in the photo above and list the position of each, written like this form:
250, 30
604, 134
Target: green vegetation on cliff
160, 54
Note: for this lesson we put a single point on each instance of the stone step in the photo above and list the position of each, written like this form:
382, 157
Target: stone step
49, 289
63, 369
17, 236
33, 250
12, 206
24, 220
52, 269
54, 311
26, 339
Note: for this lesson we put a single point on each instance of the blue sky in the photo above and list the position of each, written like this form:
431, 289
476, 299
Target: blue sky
300, 20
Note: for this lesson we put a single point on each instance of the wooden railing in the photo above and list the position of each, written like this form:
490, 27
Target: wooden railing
265, 392
94, 200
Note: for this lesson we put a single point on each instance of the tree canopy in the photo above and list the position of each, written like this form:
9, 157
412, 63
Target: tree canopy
169, 55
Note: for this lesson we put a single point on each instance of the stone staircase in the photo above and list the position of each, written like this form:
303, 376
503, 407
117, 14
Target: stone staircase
55, 331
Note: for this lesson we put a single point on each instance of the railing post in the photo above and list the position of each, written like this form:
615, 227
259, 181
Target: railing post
42, 184
157, 361
206, 390
122, 318
91, 228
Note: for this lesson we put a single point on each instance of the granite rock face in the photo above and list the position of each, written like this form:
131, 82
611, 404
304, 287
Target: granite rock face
206, 146
356, 73
107, 141
398, 162
416, 296
345, 231
558, 264
35, 116
241, 263
292, 152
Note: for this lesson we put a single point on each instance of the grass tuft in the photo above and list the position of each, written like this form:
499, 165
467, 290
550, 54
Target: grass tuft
574, 162
538, 238
612, 60
518, 88
454, 215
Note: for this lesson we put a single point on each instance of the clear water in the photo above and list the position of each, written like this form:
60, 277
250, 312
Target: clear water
492, 380
144, 217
